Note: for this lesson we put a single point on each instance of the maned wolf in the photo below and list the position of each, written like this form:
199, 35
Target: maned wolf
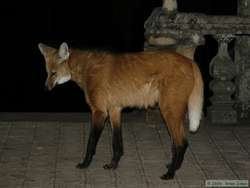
112, 81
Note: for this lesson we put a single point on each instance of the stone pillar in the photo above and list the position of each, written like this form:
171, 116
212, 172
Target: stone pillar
222, 69
242, 59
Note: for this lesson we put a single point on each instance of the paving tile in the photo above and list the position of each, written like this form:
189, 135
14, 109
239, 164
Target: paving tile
44, 154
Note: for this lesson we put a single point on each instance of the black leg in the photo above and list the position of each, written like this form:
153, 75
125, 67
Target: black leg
117, 145
95, 133
94, 136
178, 153
173, 150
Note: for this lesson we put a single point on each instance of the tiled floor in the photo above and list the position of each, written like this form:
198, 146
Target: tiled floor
44, 154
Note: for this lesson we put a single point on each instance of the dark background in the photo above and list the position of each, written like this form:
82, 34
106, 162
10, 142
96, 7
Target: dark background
116, 24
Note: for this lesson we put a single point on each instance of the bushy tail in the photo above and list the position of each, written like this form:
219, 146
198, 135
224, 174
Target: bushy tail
195, 101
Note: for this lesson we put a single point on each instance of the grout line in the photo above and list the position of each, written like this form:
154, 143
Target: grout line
222, 156
197, 162
5, 141
139, 157
30, 154
86, 130
83, 148
58, 143
113, 172
241, 144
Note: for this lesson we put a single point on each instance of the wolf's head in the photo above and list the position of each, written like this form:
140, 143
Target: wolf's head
58, 71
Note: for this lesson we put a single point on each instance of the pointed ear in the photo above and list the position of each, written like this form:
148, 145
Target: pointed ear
64, 51
44, 49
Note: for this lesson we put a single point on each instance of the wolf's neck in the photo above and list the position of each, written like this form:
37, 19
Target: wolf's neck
80, 61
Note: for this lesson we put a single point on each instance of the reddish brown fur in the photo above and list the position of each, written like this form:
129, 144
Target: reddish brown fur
135, 79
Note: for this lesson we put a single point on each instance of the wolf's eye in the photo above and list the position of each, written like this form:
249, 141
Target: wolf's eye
53, 73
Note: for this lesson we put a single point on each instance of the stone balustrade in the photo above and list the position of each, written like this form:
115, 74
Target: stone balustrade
183, 32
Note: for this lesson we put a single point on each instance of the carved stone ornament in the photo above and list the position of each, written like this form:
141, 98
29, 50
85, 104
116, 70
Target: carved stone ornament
191, 27
183, 32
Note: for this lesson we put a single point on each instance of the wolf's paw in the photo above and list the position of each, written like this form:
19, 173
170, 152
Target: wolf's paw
112, 165
82, 165
167, 176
